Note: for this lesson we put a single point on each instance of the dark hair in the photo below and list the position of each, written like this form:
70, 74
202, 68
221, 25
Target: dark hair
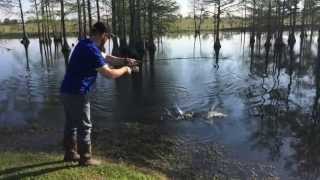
99, 28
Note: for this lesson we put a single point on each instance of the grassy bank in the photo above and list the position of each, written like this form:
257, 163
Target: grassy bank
15, 165
134, 150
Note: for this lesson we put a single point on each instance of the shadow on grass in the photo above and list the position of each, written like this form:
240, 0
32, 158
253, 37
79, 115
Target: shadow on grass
33, 170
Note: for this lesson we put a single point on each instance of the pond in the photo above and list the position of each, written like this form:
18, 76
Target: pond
271, 129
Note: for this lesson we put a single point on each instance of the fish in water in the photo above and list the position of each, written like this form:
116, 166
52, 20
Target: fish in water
181, 113
178, 114
215, 114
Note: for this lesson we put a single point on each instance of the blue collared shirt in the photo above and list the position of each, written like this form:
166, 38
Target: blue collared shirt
81, 72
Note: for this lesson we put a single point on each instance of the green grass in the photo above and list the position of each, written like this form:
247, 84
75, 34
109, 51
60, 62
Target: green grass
26, 166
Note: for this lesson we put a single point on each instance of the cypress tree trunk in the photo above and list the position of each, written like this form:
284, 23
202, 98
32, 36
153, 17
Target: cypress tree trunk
25, 41
312, 23
292, 39
150, 45
303, 20
316, 111
136, 42
98, 10
144, 29
79, 20
123, 40
48, 31
217, 45
132, 23
245, 17
253, 27
279, 40
84, 18
115, 50
89, 14
267, 44
195, 17
65, 47
43, 34
319, 45
139, 42
52, 21
39, 31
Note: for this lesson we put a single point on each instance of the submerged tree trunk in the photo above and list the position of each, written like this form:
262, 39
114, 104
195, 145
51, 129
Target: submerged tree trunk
151, 46
65, 47
43, 34
217, 45
48, 31
201, 19
279, 40
39, 30
267, 44
253, 27
195, 18
293, 17
22, 20
25, 41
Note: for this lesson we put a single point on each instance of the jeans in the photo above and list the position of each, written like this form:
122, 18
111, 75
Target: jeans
77, 113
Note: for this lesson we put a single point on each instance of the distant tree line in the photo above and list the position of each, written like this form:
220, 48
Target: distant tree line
135, 22
7, 21
270, 17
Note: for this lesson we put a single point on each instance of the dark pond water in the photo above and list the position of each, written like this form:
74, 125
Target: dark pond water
271, 103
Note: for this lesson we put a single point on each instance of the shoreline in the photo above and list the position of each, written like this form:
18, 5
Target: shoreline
136, 145
15, 35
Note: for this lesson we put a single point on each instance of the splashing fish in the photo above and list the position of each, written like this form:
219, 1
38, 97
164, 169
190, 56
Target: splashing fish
177, 114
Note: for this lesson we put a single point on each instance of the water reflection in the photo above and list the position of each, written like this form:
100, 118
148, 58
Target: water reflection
271, 96
285, 106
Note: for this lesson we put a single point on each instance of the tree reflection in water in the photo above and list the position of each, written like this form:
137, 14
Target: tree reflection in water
283, 127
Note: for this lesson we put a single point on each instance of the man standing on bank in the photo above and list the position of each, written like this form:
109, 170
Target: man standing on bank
85, 62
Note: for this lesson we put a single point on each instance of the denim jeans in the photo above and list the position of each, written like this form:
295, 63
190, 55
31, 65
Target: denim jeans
77, 113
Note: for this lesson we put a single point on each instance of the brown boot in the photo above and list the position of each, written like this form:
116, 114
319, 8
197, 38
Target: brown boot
85, 156
71, 153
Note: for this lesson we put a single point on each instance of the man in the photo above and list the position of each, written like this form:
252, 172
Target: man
85, 62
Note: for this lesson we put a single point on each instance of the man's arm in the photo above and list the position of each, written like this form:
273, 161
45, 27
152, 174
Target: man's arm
114, 58
117, 61
113, 73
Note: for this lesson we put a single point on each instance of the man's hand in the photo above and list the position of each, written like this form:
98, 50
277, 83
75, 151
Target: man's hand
131, 62
114, 73
135, 69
